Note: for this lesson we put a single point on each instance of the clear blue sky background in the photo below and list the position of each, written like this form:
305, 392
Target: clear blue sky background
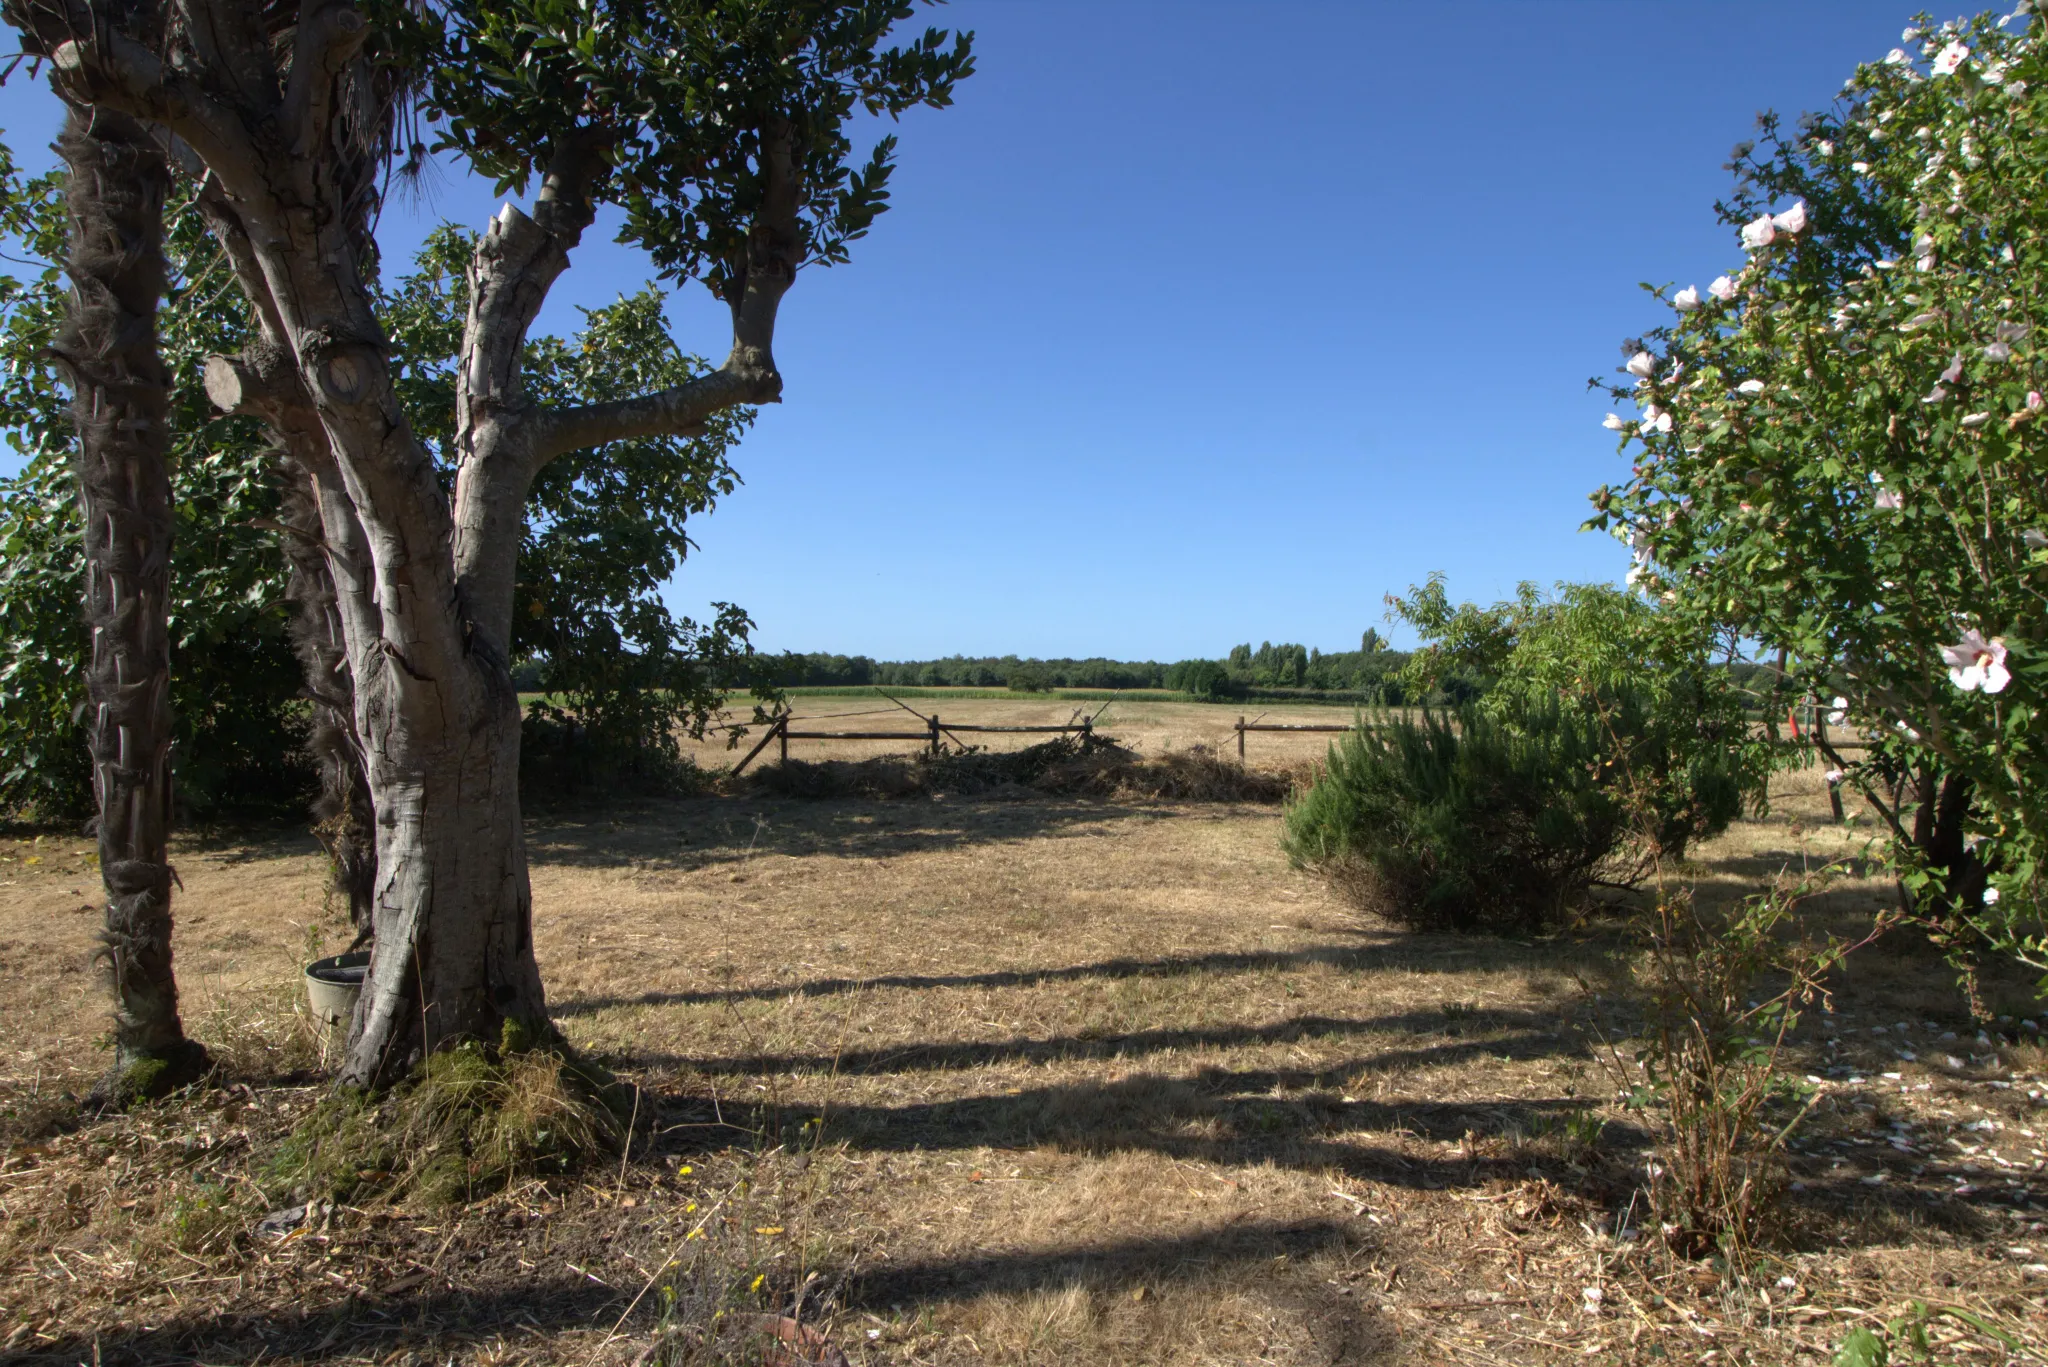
1197, 323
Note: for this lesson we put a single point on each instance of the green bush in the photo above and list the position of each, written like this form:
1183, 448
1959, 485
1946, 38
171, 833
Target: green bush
1502, 818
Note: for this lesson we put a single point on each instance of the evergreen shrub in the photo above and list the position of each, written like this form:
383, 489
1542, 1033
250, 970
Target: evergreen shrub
1502, 819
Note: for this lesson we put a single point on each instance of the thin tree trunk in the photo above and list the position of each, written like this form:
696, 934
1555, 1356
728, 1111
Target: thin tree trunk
121, 403
343, 812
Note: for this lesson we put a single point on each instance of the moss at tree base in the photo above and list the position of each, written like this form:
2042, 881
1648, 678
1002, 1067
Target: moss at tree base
469, 1121
143, 1078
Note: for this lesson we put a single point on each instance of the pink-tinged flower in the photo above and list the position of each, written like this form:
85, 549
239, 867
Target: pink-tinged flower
1793, 220
1614, 422
1998, 351
1759, 234
1723, 288
1833, 777
2010, 332
1642, 365
1750, 387
1840, 712
2036, 539
1954, 371
1897, 57
2034, 400
1861, 168
1949, 58
1686, 300
1976, 419
1891, 500
1991, 897
1975, 663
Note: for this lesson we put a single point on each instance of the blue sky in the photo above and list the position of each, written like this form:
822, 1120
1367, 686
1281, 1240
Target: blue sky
1196, 323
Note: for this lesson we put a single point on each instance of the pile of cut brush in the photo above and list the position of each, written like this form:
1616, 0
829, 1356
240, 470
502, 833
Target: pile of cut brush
1085, 765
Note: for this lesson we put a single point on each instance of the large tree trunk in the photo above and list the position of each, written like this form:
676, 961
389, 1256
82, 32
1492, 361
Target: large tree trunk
121, 404
453, 955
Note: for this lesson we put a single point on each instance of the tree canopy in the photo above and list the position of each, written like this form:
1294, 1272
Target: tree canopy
1838, 453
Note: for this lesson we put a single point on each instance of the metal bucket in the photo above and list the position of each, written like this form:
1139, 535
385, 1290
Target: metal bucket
332, 986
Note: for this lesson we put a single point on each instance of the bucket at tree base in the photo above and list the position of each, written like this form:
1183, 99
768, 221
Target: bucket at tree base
333, 984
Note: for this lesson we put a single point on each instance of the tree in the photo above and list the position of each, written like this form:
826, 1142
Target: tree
120, 405
1676, 748
720, 130
1838, 452
604, 529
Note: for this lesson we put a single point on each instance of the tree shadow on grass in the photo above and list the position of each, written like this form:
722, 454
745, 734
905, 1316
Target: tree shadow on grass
1475, 1030
1224, 1117
1388, 952
695, 833
451, 1325
440, 1325
1116, 1266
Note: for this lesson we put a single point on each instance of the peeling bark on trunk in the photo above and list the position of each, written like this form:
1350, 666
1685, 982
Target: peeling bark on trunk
120, 404
453, 955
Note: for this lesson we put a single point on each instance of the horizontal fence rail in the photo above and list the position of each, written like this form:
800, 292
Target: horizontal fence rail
779, 730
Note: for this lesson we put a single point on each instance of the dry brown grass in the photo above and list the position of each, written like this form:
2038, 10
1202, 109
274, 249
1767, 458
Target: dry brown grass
1099, 1080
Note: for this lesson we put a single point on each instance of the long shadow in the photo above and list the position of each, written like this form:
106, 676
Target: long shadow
1218, 1116
461, 1319
1103, 1266
694, 833
963, 1054
356, 1327
1407, 953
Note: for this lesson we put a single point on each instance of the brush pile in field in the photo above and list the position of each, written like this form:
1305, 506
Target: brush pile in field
1065, 766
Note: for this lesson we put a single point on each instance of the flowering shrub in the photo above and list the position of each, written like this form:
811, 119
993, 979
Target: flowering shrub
1839, 451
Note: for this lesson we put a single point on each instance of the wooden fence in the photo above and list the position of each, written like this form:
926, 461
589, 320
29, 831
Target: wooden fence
1243, 726
780, 731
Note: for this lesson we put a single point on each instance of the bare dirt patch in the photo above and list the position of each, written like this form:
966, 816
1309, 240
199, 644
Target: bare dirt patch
1044, 1080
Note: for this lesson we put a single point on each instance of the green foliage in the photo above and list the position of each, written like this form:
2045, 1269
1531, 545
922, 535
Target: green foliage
1461, 821
234, 678
1673, 723
1905, 1339
1839, 449
688, 102
605, 529
1203, 679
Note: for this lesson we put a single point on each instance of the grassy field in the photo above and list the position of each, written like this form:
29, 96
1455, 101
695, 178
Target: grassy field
1029, 1080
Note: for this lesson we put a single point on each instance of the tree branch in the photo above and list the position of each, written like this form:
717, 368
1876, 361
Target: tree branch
677, 412
113, 69
326, 39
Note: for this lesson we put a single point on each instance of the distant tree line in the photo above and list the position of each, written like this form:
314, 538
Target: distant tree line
1371, 673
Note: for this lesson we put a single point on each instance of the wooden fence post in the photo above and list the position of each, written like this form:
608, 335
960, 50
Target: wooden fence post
1240, 738
1087, 730
782, 730
935, 732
